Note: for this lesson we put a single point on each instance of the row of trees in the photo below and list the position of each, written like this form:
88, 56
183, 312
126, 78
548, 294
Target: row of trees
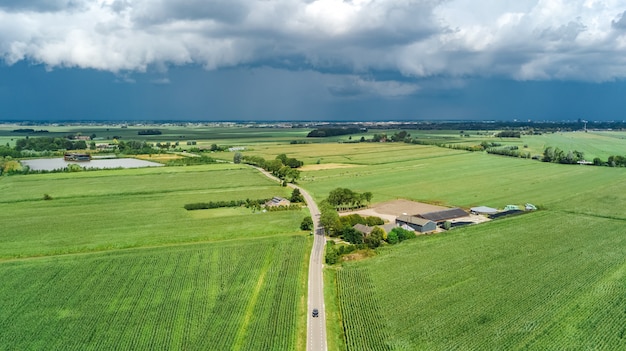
327, 132
344, 198
51, 144
232, 203
557, 155
282, 166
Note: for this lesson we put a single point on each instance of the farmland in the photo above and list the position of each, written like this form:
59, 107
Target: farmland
221, 296
531, 282
496, 286
112, 260
115, 253
100, 210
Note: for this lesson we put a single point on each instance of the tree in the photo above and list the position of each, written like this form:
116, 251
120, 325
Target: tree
352, 235
237, 157
402, 234
307, 223
329, 219
296, 196
548, 154
282, 158
368, 196
375, 238
331, 256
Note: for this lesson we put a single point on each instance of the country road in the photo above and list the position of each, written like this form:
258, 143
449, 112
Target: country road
316, 326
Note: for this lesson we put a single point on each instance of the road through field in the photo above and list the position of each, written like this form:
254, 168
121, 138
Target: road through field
316, 334
316, 326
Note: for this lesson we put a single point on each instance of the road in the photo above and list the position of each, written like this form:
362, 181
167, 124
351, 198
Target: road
316, 326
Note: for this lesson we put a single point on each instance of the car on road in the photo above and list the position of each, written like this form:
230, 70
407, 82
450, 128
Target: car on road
316, 312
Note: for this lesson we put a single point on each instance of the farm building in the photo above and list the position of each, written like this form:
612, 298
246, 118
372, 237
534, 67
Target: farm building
419, 224
365, 229
444, 215
387, 227
277, 201
71, 156
484, 210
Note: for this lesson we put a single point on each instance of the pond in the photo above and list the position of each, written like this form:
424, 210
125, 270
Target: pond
50, 164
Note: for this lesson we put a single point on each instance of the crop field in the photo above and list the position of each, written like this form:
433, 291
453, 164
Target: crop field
205, 135
550, 280
460, 178
355, 154
593, 144
234, 295
114, 261
101, 210
543, 281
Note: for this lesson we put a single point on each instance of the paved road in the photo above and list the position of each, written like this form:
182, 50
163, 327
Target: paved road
316, 326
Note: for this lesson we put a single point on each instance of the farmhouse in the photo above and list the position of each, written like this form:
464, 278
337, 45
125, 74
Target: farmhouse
277, 201
444, 215
77, 157
419, 224
365, 229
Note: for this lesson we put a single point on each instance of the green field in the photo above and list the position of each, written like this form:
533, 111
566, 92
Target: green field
238, 295
544, 281
114, 261
531, 282
101, 210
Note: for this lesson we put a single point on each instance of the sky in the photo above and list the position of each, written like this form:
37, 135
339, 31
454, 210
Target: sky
311, 60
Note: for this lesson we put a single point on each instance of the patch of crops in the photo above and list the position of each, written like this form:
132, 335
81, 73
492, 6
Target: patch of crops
544, 281
364, 324
192, 297
132, 208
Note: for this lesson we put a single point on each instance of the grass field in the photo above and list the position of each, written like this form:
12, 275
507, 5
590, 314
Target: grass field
114, 261
460, 178
234, 295
531, 282
101, 210
544, 281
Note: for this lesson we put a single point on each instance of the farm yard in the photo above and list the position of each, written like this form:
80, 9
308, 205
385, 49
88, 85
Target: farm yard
113, 260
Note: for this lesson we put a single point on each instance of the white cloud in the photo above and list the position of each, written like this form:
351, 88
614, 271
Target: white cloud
524, 39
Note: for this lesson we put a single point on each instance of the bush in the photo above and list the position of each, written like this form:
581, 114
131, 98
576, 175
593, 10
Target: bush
307, 223
392, 238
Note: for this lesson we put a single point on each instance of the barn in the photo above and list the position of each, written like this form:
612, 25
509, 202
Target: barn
419, 224
277, 201
444, 215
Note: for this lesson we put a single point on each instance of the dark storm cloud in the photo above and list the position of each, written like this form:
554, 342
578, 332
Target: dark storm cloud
453, 39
